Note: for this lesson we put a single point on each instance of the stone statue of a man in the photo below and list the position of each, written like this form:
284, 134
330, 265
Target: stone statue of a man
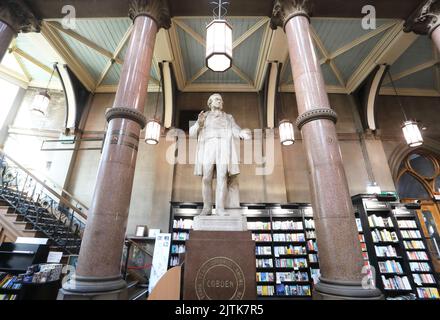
215, 131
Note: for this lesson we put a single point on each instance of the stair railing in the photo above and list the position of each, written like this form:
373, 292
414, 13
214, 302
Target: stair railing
57, 214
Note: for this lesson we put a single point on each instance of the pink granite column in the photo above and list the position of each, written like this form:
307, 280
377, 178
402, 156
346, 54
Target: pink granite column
15, 16
340, 256
435, 35
6, 36
99, 263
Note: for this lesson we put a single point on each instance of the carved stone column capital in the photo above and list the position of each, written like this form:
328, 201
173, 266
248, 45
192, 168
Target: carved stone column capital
425, 19
18, 16
284, 10
158, 10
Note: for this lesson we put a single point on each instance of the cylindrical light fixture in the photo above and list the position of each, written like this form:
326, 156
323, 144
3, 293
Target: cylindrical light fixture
287, 134
40, 103
219, 45
412, 133
152, 132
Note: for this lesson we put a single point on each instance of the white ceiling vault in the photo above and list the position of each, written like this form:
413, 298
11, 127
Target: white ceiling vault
95, 51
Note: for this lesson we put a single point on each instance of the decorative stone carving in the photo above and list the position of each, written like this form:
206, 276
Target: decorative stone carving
18, 16
425, 19
158, 10
316, 114
126, 113
284, 10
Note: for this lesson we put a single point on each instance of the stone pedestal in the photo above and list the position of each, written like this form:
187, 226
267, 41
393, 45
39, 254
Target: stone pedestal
219, 265
235, 222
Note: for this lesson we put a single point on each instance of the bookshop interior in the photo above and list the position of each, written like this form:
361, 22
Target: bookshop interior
219, 150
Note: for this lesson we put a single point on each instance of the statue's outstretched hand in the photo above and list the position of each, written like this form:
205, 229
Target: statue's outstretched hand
246, 134
201, 118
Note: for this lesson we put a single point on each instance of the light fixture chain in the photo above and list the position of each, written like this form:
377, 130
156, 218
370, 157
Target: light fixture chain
397, 95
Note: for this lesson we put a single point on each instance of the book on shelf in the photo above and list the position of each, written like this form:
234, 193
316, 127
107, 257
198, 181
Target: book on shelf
311, 245
428, 293
310, 235
263, 250
417, 255
177, 248
265, 290
375, 221
309, 223
315, 274
289, 250
264, 263
291, 276
407, 224
384, 236
287, 225
396, 283
287, 237
262, 237
390, 266
291, 263
419, 267
423, 278
385, 251
5, 297
413, 244
359, 225
181, 236
258, 225
411, 234
9, 281
293, 290
183, 224
313, 257
264, 277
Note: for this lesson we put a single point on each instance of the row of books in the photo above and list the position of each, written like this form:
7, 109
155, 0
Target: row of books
315, 274
292, 250
396, 283
8, 281
313, 258
258, 225
294, 237
411, 234
385, 251
311, 245
180, 235
365, 255
287, 225
292, 276
310, 235
361, 237
261, 250
262, 237
384, 235
359, 224
423, 278
309, 223
390, 266
407, 224
263, 263
265, 290
413, 244
375, 221
419, 267
291, 263
174, 261
178, 248
183, 224
428, 293
293, 290
4, 297
417, 255
265, 277
363, 246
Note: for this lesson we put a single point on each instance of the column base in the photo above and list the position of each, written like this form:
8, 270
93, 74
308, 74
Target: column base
93, 288
344, 290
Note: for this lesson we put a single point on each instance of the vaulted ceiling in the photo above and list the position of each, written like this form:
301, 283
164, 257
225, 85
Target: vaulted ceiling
95, 50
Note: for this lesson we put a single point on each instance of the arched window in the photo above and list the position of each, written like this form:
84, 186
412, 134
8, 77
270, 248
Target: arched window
419, 176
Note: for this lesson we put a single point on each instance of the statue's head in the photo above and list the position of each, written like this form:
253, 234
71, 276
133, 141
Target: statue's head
215, 102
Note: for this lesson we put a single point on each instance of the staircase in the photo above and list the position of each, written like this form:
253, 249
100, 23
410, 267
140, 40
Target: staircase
30, 208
